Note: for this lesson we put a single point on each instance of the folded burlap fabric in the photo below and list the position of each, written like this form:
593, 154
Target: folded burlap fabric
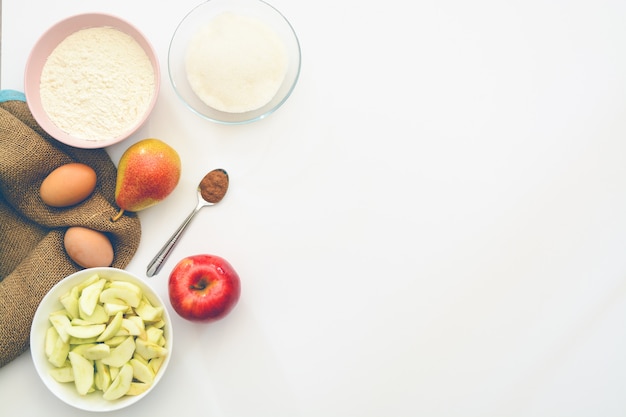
32, 256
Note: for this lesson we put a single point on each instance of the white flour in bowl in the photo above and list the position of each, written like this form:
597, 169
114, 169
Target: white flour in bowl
97, 84
235, 63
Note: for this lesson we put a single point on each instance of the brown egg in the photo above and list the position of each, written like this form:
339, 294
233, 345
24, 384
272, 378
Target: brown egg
67, 185
87, 247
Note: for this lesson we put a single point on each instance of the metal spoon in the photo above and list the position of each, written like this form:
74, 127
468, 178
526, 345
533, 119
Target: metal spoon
211, 190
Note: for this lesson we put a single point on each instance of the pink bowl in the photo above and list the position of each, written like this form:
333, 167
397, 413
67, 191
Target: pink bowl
44, 47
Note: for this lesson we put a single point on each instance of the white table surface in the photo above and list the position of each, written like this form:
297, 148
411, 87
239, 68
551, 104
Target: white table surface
434, 224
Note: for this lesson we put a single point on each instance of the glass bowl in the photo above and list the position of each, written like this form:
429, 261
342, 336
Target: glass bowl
201, 16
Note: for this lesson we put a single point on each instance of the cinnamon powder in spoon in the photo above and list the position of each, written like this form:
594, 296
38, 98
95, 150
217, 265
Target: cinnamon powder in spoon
214, 185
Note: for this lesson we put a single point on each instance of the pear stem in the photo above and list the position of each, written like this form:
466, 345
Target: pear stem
117, 216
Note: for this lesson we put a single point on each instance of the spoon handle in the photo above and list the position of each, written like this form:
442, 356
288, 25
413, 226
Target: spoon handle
156, 263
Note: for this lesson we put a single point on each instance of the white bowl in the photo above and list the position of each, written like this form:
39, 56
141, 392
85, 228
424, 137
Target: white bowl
46, 45
200, 16
50, 303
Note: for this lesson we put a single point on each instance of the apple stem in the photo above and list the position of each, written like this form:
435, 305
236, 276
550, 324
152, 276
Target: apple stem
117, 216
200, 285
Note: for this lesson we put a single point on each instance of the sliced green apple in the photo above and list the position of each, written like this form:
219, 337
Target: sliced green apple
114, 370
70, 302
97, 351
141, 371
126, 285
82, 285
137, 388
155, 363
133, 328
112, 328
102, 379
63, 374
116, 340
84, 332
50, 341
153, 334
121, 354
149, 350
59, 353
113, 309
83, 371
90, 296
114, 344
99, 316
80, 349
61, 323
148, 312
121, 384
122, 296
80, 341
159, 324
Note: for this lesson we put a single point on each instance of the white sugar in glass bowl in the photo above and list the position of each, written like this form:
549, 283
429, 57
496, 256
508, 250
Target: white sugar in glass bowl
107, 93
225, 56
66, 391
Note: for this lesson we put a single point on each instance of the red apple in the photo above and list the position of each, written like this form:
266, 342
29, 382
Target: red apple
203, 288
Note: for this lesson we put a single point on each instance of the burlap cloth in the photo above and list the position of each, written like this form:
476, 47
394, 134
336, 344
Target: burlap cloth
32, 257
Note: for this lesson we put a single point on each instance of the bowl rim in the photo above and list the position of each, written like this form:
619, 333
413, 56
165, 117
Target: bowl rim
251, 119
66, 393
51, 38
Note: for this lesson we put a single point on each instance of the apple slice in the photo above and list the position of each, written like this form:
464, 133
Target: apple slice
64, 374
141, 371
149, 350
140, 324
61, 323
97, 351
121, 384
126, 285
140, 359
159, 324
137, 388
148, 312
122, 296
115, 340
102, 379
99, 316
114, 370
112, 328
155, 363
153, 334
83, 373
50, 341
133, 328
122, 332
79, 341
70, 302
90, 296
80, 349
81, 286
84, 332
80, 322
113, 309
59, 353
121, 354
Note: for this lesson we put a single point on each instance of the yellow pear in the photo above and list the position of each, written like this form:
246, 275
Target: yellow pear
148, 172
